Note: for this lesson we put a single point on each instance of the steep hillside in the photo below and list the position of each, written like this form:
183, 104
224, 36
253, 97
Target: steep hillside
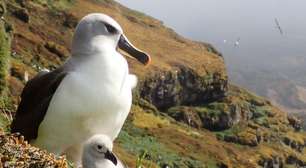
185, 114
275, 86
284, 90
302, 117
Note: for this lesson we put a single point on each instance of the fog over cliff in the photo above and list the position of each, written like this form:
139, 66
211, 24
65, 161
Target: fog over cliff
245, 31
253, 22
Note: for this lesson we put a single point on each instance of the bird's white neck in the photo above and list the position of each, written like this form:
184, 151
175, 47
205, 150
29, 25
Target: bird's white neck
94, 45
107, 66
96, 163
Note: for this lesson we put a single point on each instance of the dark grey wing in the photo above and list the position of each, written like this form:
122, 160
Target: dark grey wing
35, 99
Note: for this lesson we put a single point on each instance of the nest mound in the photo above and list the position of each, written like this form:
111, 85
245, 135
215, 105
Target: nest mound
16, 152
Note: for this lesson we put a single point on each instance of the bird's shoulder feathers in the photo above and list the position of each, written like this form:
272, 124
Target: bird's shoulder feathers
35, 99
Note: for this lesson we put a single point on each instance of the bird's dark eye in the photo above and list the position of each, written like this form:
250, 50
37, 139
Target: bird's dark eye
111, 29
99, 147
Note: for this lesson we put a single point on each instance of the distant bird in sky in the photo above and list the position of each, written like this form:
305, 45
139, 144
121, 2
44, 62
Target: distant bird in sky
237, 42
97, 153
278, 26
90, 94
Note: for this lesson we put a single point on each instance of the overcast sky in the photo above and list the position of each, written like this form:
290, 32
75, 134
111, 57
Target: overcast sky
251, 21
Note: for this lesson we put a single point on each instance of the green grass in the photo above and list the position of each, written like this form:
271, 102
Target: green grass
58, 5
6, 106
105, 1
234, 131
5, 100
146, 147
4, 123
259, 111
260, 115
135, 13
4, 57
208, 79
214, 109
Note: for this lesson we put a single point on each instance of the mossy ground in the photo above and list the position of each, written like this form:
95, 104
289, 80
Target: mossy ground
56, 5
5, 99
4, 56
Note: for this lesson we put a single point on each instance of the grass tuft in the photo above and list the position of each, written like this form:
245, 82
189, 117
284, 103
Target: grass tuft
4, 57
57, 4
149, 150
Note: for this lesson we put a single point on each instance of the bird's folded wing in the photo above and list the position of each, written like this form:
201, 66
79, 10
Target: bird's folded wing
35, 99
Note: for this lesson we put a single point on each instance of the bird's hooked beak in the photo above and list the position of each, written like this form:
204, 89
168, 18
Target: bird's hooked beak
110, 156
125, 45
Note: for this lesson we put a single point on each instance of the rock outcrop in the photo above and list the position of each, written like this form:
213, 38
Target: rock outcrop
182, 86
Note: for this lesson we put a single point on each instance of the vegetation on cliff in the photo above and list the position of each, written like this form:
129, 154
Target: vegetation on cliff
15, 152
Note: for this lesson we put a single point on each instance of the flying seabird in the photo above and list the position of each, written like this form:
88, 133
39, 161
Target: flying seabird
278, 26
237, 42
90, 94
97, 153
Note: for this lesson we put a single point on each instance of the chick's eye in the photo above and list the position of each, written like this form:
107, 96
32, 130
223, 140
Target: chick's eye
110, 28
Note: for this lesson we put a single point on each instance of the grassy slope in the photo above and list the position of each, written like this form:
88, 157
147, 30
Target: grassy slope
161, 138
4, 54
4, 64
180, 145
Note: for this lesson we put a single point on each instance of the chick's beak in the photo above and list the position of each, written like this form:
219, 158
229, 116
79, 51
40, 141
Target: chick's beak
110, 156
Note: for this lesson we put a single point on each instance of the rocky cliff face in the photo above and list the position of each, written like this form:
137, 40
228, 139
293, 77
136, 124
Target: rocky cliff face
184, 114
182, 86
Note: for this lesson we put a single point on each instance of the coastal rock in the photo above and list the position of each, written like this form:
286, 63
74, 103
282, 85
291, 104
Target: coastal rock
273, 162
182, 87
21, 13
295, 123
298, 145
70, 20
293, 160
186, 115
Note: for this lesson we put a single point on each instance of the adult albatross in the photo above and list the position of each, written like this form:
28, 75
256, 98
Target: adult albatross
90, 94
